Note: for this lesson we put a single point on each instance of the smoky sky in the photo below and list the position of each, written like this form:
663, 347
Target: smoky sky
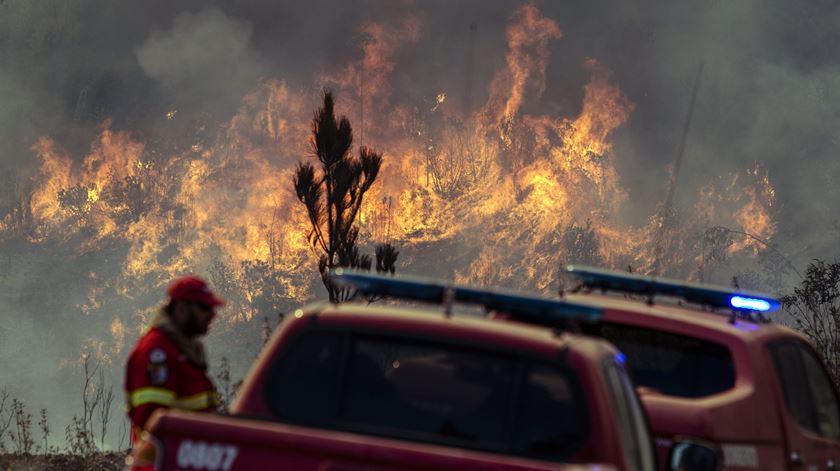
769, 92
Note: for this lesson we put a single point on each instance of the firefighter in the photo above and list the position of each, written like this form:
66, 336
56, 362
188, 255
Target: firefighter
168, 366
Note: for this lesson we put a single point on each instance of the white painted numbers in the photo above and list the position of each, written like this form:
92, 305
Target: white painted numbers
209, 456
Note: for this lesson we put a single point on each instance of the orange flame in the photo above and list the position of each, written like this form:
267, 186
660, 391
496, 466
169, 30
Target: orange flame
528, 36
755, 217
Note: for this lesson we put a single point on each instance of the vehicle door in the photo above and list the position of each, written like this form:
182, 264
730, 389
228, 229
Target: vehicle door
811, 415
636, 440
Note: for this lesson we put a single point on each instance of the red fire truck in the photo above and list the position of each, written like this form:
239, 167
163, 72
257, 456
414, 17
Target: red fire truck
710, 366
372, 388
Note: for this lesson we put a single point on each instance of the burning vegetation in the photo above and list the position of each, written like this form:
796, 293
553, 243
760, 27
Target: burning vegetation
490, 194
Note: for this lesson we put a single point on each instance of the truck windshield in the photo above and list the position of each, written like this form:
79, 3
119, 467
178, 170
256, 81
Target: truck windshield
432, 392
671, 364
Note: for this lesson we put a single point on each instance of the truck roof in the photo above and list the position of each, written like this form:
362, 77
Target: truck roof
433, 320
686, 317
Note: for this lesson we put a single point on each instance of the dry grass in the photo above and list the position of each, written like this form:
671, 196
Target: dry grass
63, 462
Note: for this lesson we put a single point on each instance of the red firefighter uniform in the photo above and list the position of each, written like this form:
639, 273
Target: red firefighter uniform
159, 375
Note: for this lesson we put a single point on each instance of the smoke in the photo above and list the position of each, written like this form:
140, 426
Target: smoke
204, 57
768, 95
174, 75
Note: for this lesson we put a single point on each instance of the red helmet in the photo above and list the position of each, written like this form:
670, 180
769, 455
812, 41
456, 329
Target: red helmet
193, 289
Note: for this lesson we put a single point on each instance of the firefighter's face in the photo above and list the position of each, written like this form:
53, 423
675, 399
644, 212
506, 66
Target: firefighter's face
203, 315
193, 318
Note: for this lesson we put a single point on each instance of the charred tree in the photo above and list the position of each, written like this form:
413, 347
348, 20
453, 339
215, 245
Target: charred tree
333, 194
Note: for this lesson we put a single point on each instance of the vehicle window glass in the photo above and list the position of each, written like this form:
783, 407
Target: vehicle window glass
634, 432
794, 383
551, 422
439, 393
302, 387
461, 397
672, 364
825, 399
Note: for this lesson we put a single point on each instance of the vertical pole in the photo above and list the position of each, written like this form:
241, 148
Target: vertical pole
672, 184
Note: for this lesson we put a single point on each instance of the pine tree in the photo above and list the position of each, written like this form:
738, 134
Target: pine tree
333, 197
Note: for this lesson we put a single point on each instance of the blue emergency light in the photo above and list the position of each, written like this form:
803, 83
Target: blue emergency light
708, 295
529, 308
752, 304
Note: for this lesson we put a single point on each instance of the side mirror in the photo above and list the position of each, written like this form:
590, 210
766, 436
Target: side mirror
691, 455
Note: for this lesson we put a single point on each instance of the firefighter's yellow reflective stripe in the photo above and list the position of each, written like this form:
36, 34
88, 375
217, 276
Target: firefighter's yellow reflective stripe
195, 402
141, 396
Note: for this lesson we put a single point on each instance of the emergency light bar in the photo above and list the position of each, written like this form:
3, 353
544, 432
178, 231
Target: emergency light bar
715, 296
526, 307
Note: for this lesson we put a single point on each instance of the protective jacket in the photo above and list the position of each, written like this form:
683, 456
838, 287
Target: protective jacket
166, 370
